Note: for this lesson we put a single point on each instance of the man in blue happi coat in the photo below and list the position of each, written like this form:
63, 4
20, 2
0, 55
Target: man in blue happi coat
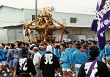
107, 50
78, 58
2, 59
71, 48
56, 50
10, 57
65, 61
41, 50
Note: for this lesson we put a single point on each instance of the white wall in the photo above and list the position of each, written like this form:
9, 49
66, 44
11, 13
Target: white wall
10, 16
27, 13
3, 36
83, 20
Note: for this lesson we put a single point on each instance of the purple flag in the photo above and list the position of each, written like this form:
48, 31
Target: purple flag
101, 22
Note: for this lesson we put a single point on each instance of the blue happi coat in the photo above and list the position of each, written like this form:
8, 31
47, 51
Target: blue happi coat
79, 57
19, 53
45, 51
10, 54
66, 59
101, 54
42, 53
87, 50
107, 50
3, 54
56, 52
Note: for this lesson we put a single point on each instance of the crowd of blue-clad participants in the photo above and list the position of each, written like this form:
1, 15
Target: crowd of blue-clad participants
71, 55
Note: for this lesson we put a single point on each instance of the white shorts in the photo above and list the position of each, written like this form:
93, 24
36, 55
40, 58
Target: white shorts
0, 64
78, 65
66, 69
3, 63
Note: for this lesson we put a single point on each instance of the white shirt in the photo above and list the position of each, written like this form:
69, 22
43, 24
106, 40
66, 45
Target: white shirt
37, 58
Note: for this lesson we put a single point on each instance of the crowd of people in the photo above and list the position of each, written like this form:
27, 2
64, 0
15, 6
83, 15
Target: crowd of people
74, 58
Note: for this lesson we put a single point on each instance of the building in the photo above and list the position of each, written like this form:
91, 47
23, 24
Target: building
12, 24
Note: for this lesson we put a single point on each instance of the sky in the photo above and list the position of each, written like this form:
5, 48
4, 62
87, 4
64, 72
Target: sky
71, 6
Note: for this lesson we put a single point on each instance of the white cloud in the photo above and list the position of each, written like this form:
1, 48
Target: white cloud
79, 6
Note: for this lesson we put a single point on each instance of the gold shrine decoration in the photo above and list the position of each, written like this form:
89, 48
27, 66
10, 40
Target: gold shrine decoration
27, 32
44, 25
63, 27
46, 29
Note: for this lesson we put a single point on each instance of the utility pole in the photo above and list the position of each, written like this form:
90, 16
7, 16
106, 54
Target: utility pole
34, 32
35, 11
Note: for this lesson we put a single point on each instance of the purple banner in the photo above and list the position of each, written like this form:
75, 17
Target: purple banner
101, 22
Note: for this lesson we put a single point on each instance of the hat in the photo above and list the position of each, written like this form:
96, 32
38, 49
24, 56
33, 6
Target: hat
49, 48
32, 46
40, 46
35, 47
